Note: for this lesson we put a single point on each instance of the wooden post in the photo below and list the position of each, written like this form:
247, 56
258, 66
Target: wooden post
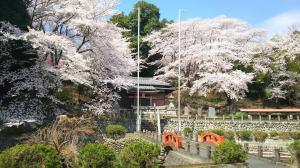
242, 118
251, 117
223, 117
205, 117
298, 118
259, 151
270, 117
276, 155
232, 117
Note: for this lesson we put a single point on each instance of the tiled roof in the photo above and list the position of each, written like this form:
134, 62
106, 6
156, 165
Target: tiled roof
149, 81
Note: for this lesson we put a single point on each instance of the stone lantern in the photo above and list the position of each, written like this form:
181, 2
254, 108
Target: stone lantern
171, 110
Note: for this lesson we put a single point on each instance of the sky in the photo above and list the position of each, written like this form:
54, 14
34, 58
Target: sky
274, 15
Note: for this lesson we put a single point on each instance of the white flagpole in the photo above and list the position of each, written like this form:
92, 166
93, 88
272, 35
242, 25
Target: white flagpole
139, 115
179, 67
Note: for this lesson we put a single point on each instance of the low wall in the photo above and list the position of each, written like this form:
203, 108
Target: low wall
172, 125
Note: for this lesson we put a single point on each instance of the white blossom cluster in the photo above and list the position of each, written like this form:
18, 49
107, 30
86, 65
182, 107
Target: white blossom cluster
210, 48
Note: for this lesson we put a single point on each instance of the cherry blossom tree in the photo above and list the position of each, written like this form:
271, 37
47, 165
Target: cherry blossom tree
274, 59
210, 50
80, 45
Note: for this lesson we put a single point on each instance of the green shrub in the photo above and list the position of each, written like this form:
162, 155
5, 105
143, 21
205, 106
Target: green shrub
229, 152
33, 156
187, 130
274, 134
96, 155
295, 135
294, 148
139, 154
229, 135
244, 135
199, 132
260, 136
284, 135
115, 131
218, 131
239, 115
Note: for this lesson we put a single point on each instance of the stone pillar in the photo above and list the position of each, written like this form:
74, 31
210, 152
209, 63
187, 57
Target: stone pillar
270, 117
208, 148
232, 117
246, 147
288, 117
205, 118
278, 117
242, 118
196, 116
251, 117
259, 117
298, 118
291, 117
259, 151
198, 148
223, 117
188, 146
276, 155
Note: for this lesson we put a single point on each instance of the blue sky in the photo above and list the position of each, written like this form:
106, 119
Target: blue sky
274, 15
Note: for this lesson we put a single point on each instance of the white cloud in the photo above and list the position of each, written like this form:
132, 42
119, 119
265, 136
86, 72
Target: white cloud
281, 23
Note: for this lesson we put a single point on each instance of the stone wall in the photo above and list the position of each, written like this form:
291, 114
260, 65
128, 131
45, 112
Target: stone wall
172, 125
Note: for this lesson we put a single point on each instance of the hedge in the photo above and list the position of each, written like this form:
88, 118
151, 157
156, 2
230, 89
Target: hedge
33, 156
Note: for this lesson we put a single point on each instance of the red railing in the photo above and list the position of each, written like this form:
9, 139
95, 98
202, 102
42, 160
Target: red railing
212, 138
173, 140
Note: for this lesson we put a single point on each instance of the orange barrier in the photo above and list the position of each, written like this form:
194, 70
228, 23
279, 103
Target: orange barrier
212, 138
173, 140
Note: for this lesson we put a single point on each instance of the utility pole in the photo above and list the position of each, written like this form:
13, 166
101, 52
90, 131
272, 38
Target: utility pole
139, 115
179, 68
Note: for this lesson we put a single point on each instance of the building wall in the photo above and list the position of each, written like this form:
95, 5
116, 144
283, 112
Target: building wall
146, 99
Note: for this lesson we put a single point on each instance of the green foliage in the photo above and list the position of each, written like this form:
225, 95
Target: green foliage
244, 135
284, 135
29, 156
218, 131
74, 96
199, 132
274, 134
260, 136
229, 135
96, 155
187, 130
294, 148
150, 21
229, 152
140, 154
295, 135
115, 131
239, 115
